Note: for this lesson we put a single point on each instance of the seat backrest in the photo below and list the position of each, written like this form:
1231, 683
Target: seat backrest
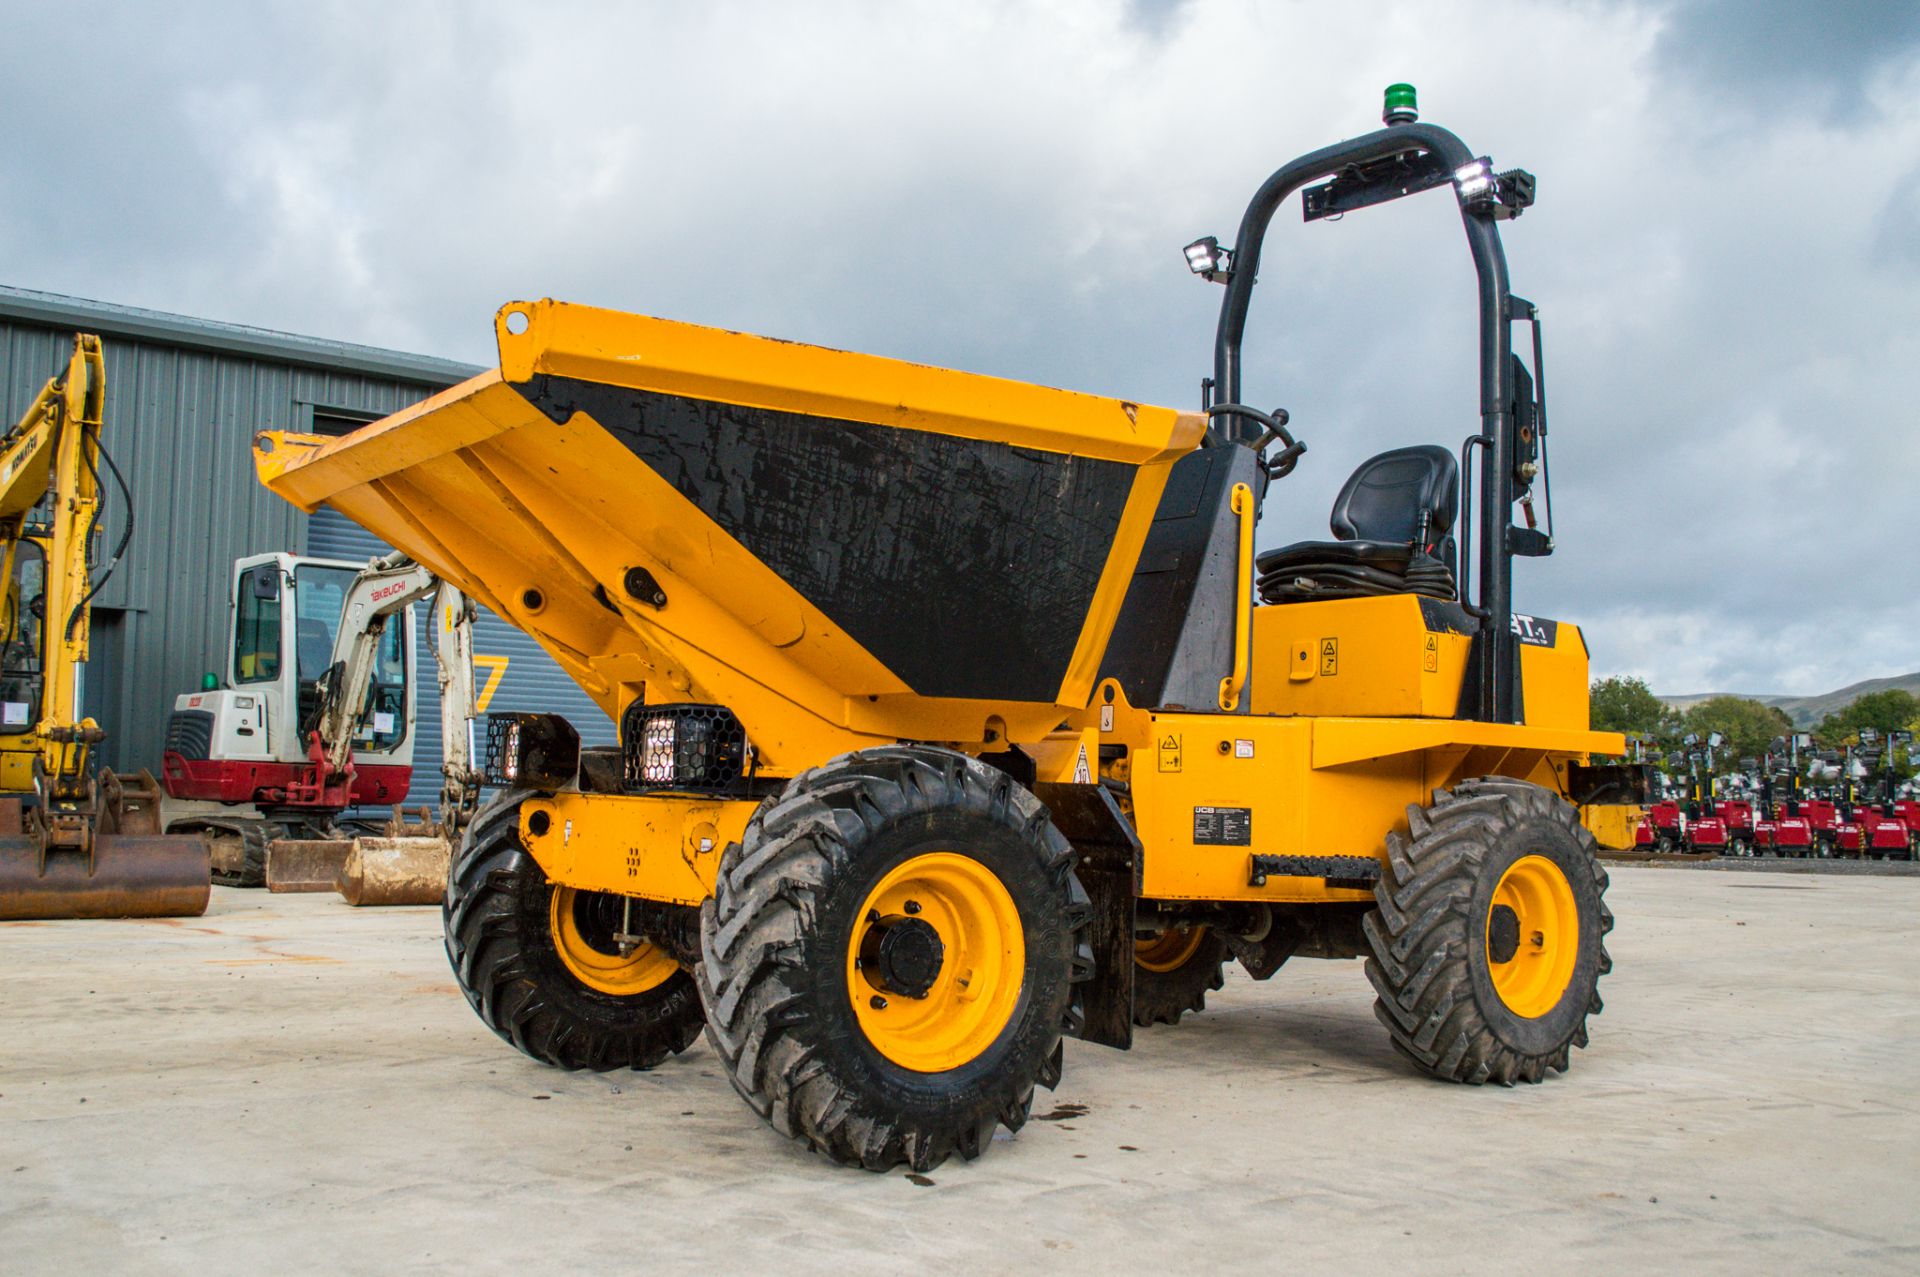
1385, 497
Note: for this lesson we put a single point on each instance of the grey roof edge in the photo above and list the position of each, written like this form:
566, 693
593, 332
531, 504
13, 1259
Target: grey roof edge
110, 319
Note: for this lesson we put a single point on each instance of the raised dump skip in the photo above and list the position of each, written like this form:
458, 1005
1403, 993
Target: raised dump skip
899, 550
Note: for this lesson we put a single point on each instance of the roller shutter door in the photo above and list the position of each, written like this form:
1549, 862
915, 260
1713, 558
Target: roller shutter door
532, 682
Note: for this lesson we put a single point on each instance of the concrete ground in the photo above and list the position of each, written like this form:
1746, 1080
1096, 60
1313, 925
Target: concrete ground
291, 1085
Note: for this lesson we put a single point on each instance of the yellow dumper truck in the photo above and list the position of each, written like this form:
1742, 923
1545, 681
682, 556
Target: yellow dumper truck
958, 715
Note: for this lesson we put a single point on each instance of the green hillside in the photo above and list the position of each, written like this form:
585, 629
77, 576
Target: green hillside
1806, 711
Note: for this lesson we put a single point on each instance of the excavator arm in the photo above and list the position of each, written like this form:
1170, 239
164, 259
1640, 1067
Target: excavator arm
53, 452
409, 866
453, 658
379, 595
72, 844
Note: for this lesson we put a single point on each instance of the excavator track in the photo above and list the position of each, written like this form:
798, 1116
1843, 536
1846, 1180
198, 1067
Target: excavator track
239, 850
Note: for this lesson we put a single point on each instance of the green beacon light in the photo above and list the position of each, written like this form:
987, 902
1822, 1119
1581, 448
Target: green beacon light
1401, 106
209, 683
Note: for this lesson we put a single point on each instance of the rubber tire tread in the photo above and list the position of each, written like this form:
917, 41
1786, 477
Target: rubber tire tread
1162, 997
1419, 932
776, 1039
502, 954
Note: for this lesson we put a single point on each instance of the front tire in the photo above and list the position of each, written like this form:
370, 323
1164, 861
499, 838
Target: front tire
1488, 934
890, 957
538, 964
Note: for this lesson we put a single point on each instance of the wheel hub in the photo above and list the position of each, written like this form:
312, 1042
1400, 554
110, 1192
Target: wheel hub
1503, 933
936, 961
902, 956
586, 930
1532, 936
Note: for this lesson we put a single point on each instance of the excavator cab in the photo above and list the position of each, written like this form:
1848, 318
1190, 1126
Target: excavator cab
241, 757
22, 676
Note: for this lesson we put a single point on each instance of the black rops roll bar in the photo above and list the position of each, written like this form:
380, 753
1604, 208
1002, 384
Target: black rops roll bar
1387, 164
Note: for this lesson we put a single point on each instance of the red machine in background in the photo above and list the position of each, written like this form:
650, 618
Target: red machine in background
1737, 813
1823, 819
1907, 812
1847, 840
1793, 834
1707, 830
1885, 836
1661, 830
1782, 827
1886, 830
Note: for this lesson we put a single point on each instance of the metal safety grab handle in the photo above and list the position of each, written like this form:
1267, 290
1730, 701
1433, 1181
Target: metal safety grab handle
1241, 503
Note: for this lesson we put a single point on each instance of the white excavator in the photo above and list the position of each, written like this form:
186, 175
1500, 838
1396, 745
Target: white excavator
316, 717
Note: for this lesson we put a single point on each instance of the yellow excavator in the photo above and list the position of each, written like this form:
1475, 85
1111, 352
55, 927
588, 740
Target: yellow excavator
72, 844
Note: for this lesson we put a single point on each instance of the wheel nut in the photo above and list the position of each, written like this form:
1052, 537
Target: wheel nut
912, 907
878, 1003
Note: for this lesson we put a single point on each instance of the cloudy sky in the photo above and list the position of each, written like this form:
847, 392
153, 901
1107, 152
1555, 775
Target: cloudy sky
1726, 247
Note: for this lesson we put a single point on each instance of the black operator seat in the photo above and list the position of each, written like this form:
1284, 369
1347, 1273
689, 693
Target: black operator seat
1393, 529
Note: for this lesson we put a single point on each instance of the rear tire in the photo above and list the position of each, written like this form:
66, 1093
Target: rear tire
524, 964
868, 1074
1450, 1004
1174, 972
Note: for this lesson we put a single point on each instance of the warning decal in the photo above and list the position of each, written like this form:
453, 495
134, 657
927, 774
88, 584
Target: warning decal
1430, 661
1082, 774
1329, 657
1170, 751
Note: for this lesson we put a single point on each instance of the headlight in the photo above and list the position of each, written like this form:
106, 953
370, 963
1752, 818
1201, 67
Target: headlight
688, 747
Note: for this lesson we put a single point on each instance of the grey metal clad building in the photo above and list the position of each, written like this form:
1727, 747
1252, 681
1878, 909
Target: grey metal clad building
184, 398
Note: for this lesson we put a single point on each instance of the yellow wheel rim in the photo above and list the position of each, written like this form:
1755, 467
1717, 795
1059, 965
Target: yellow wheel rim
583, 937
1170, 950
1534, 977
981, 968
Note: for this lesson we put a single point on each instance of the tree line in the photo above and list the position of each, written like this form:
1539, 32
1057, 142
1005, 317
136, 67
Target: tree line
1749, 727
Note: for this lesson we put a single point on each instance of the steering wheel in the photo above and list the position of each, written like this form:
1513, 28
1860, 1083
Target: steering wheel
1281, 464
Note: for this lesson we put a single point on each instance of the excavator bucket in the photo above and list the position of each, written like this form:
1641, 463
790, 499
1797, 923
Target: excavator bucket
829, 544
131, 870
396, 871
125, 876
306, 864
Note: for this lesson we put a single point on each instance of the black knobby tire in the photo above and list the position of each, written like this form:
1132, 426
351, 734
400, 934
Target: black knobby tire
1429, 933
775, 938
1162, 997
499, 936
